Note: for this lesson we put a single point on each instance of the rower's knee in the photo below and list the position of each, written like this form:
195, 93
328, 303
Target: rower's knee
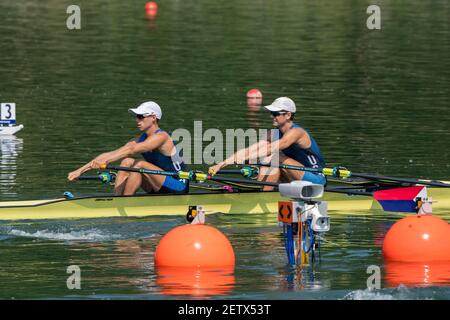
127, 162
141, 164
138, 164
268, 171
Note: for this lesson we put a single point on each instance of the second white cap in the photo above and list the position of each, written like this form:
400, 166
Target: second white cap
282, 104
147, 109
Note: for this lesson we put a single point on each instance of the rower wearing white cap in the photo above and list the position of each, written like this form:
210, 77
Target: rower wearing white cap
159, 153
295, 146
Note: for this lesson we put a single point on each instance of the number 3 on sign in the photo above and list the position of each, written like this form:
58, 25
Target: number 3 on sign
8, 112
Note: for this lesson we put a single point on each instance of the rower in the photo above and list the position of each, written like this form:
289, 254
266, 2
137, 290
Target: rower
159, 153
292, 143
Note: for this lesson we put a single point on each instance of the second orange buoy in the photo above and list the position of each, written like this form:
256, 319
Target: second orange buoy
418, 238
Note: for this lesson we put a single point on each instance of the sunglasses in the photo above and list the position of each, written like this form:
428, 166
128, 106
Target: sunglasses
277, 113
140, 116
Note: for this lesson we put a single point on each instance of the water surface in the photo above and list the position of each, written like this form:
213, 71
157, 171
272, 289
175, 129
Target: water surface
376, 101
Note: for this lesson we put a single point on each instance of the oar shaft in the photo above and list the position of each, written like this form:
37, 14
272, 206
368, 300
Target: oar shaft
344, 173
290, 167
199, 176
253, 182
147, 171
194, 176
404, 180
348, 191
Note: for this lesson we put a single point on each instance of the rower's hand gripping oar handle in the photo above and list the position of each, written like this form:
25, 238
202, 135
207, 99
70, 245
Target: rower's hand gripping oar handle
105, 177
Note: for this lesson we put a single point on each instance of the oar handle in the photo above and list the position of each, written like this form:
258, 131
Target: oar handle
104, 177
89, 178
231, 171
249, 172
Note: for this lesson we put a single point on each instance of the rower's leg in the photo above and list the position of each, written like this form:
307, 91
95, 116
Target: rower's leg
268, 174
149, 182
291, 175
122, 176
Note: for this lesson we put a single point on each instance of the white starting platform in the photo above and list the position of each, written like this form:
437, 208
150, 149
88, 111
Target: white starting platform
8, 119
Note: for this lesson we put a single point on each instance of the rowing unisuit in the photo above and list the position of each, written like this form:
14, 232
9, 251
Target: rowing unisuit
166, 163
310, 157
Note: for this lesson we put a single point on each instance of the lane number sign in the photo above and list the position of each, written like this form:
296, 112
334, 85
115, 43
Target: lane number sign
7, 113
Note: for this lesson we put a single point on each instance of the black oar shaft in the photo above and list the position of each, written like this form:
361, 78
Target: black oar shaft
254, 182
404, 180
202, 176
141, 170
339, 172
348, 191
193, 176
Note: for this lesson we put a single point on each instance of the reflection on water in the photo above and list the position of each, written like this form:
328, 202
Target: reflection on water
10, 148
195, 282
117, 258
302, 278
253, 117
417, 274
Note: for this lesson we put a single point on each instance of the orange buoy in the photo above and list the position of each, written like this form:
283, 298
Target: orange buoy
194, 245
254, 93
254, 98
418, 238
151, 9
151, 5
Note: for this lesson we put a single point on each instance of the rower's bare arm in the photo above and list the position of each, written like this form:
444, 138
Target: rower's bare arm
240, 156
76, 173
130, 149
99, 160
110, 154
151, 143
256, 150
297, 135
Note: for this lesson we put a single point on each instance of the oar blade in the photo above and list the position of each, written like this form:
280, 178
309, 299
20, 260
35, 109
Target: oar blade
400, 199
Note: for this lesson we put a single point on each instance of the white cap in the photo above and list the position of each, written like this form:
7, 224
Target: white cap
282, 104
147, 109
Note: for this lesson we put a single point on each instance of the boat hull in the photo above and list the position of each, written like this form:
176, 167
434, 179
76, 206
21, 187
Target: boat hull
165, 204
151, 205
7, 131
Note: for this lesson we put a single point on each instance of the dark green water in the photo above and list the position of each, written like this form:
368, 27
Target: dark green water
376, 100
